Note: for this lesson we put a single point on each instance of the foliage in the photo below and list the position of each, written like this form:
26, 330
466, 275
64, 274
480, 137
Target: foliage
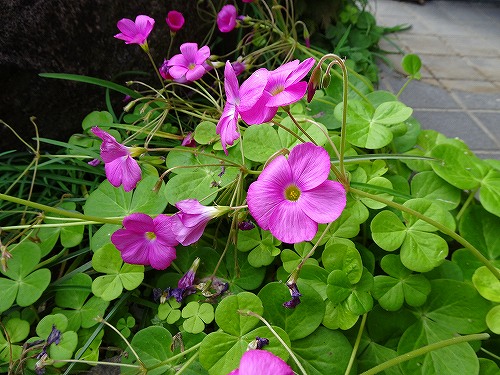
405, 281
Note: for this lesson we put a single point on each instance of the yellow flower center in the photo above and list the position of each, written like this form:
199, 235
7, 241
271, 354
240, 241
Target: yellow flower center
191, 66
277, 90
150, 235
292, 193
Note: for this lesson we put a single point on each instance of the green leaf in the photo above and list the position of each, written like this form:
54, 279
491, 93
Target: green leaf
17, 329
344, 258
450, 360
322, 352
374, 354
339, 316
220, 353
489, 194
315, 131
388, 231
488, 367
458, 167
487, 284
260, 142
432, 187
423, 251
73, 293
44, 326
298, 322
197, 315
390, 113
493, 319
119, 275
411, 64
291, 259
241, 273
229, 319
102, 119
65, 348
153, 346
108, 201
204, 134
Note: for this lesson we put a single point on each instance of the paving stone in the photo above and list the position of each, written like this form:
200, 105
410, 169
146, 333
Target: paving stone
456, 124
451, 67
469, 86
474, 100
488, 66
491, 120
423, 95
474, 46
425, 44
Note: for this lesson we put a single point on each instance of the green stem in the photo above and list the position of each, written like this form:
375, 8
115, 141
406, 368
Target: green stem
187, 363
295, 359
59, 211
404, 86
356, 345
466, 204
424, 350
300, 127
439, 226
175, 357
95, 363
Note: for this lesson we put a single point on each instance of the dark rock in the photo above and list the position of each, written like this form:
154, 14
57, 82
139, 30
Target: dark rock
74, 37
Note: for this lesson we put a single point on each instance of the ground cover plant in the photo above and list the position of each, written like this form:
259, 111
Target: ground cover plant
266, 211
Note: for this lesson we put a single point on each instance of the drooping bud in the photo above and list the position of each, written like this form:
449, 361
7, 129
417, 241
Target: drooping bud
313, 83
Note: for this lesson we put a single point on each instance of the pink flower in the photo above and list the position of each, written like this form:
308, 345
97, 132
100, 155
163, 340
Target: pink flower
164, 70
261, 362
188, 140
239, 99
135, 32
120, 167
226, 19
190, 64
291, 196
175, 20
239, 66
284, 87
146, 241
189, 223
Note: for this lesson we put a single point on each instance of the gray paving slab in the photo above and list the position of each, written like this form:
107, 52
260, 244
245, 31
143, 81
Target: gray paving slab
459, 44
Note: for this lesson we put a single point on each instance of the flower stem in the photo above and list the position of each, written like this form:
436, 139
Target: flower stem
295, 359
356, 345
58, 211
495, 271
424, 350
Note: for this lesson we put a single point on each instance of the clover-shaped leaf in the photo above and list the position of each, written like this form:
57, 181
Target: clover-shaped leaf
220, 352
169, 311
260, 142
22, 285
391, 291
345, 258
68, 341
291, 259
153, 345
261, 244
229, 319
429, 185
493, 319
119, 275
299, 321
487, 284
421, 249
355, 297
197, 315
17, 330
125, 324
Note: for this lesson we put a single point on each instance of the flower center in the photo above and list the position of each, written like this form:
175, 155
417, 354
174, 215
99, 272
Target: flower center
191, 66
277, 90
292, 193
150, 235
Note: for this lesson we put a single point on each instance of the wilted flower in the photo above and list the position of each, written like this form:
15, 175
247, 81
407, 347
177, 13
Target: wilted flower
239, 99
226, 19
239, 66
261, 362
291, 196
313, 84
175, 20
135, 32
120, 167
189, 223
146, 241
294, 291
190, 64
283, 87
185, 285
188, 140
164, 68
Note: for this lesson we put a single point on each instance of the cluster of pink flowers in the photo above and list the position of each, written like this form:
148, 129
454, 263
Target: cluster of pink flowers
260, 96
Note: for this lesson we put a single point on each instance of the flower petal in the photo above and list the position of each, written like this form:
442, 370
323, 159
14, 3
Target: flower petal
195, 73
263, 362
202, 55
230, 83
160, 256
324, 203
310, 165
132, 246
131, 173
291, 94
163, 230
252, 88
259, 113
265, 194
139, 222
288, 223
301, 71
227, 127
189, 51
114, 171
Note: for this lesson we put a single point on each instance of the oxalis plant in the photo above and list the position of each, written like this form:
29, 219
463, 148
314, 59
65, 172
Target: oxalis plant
270, 213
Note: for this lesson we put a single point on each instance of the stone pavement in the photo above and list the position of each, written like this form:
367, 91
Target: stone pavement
459, 44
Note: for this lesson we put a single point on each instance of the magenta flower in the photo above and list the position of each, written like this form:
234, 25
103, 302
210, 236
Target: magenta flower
247, 1
164, 70
189, 223
188, 140
146, 241
291, 196
261, 362
190, 64
284, 87
226, 19
239, 66
239, 99
135, 32
120, 167
175, 20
